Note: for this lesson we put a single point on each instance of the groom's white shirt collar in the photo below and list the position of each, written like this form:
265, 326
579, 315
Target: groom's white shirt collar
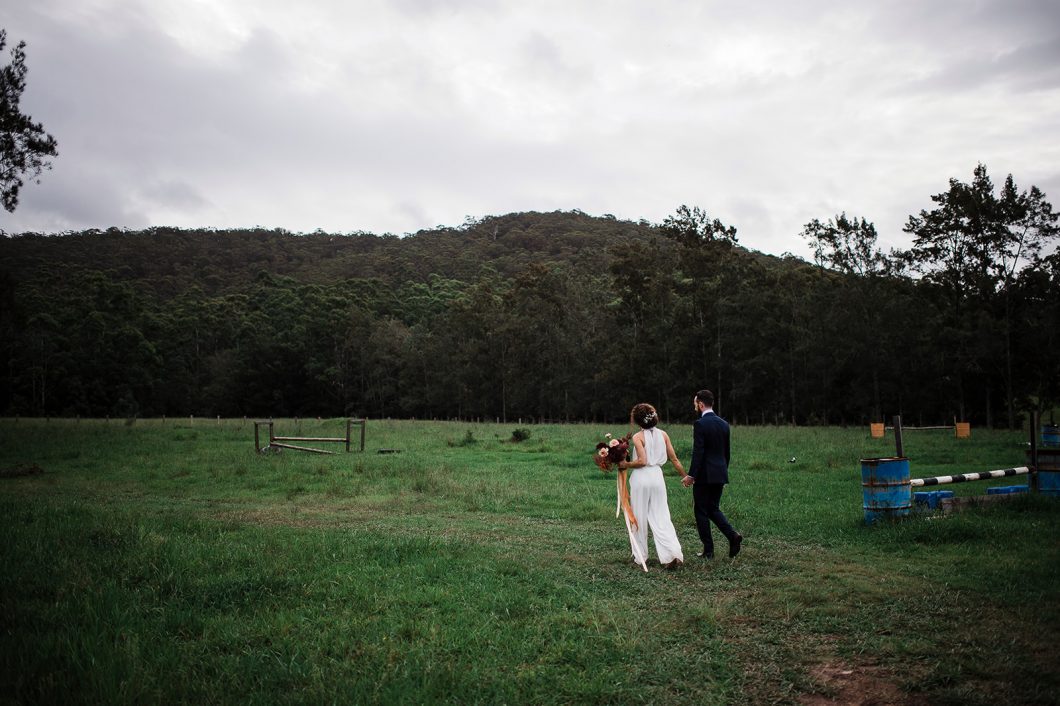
708, 410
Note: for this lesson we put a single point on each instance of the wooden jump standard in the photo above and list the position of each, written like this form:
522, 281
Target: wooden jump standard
275, 441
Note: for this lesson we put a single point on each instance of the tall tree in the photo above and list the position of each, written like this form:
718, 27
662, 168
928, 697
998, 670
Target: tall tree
1025, 222
972, 246
690, 226
24, 146
1038, 371
707, 263
847, 245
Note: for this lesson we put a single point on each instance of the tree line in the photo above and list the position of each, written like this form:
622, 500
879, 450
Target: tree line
544, 316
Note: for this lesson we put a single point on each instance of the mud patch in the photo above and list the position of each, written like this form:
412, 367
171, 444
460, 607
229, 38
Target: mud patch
21, 470
839, 683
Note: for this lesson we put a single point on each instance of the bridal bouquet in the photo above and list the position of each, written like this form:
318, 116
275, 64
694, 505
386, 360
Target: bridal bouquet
610, 451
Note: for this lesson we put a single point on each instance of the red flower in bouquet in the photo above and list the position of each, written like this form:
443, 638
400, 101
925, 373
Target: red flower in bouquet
610, 451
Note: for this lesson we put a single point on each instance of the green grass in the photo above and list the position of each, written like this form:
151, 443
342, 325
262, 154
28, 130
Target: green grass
168, 562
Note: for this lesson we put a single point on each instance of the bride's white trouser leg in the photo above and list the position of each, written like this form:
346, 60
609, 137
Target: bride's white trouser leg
667, 546
647, 497
639, 493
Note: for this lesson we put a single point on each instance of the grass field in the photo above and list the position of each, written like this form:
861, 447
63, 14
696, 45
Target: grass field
153, 563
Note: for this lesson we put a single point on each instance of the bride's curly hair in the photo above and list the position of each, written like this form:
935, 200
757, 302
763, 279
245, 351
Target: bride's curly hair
644, 415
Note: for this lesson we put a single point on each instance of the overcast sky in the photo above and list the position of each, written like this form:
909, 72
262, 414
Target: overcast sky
392, 116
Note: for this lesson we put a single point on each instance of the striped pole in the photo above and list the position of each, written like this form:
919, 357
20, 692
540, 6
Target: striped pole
985, 475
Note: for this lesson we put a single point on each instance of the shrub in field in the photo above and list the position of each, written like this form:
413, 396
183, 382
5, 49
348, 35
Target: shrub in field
468, 440
520, 435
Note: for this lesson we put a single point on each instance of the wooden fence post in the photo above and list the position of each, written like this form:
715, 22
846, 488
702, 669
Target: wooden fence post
899, 448
1033, 480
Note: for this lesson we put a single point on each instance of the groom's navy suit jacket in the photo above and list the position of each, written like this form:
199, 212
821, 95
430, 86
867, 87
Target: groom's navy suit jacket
710, 449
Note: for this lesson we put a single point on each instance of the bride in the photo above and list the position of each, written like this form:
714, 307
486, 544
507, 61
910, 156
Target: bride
647, 489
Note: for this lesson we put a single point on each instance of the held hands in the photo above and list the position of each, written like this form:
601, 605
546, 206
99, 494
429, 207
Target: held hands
687, 481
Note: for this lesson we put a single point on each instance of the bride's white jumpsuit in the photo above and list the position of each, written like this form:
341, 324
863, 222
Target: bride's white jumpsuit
647, 497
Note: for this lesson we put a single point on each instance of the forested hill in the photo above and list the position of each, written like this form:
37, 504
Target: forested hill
524, 316
171, 261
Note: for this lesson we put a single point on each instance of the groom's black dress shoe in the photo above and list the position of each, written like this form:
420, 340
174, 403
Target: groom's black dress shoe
734, 546
705, 554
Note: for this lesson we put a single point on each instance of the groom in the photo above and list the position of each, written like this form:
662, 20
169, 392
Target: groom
708, 474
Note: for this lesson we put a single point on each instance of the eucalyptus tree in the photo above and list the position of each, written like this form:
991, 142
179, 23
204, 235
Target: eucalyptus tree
1025, 225
471, 370
707, 266
25, 147
1037, 290
848, 246
647, 354
970, 247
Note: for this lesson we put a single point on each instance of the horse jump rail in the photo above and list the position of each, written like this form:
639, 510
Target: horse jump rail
276, 441
307, 438
963, 477
303, 448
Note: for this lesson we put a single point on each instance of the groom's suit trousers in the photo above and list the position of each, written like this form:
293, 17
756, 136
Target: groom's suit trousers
707, 500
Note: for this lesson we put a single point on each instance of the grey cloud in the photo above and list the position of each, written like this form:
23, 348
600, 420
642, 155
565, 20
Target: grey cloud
434, 7
400, 117
543, 59
74, 200
1033, 67
174, 194
412, 212
265, 57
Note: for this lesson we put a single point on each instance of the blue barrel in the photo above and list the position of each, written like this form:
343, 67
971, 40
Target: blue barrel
1049, 483
1048, 471
1050, 435
885, 488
